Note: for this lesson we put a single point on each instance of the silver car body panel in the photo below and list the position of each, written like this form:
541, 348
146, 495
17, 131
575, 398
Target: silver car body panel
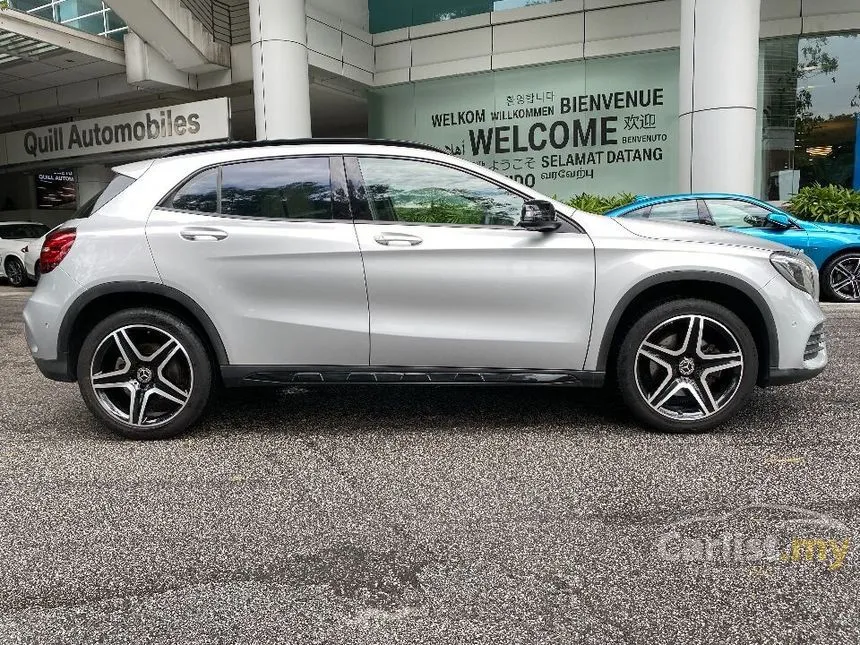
478, 297
294, 293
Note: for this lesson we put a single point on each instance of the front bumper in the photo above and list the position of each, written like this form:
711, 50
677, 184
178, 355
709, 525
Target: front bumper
800, 330
791, 376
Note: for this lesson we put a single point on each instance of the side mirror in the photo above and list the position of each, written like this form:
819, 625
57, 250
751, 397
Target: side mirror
779, 220
539, 215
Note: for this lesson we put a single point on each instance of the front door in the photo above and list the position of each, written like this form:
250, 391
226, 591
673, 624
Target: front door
268, 249
453, 282
746, 217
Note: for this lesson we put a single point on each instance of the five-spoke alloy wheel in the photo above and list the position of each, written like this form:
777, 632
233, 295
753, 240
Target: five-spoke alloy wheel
840, 278
145, 373
686, 365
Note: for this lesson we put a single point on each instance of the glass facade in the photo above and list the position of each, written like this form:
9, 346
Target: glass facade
394, 14
809, 104
598, 126
91, 16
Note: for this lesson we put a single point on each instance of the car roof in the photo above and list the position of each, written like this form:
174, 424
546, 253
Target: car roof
240, 145
651, 201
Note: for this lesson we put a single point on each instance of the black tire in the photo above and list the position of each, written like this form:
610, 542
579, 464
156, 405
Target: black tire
830, 275
190, 368
15, 272
725, 388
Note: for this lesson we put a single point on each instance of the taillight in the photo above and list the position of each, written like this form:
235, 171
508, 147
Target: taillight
56, 247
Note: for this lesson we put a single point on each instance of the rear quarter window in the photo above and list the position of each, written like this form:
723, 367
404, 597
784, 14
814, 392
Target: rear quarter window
117, 185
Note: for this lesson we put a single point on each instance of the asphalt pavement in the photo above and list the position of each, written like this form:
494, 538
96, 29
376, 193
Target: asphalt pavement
430, 515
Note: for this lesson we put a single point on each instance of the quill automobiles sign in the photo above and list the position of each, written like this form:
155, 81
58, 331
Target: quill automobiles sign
175, 125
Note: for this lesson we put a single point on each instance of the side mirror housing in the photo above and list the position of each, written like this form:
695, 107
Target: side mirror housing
779, 220
539, 215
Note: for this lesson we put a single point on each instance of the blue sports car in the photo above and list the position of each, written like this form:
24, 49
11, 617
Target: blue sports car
835, 248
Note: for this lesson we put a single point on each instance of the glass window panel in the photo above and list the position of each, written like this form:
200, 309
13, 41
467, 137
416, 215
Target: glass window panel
199, 194
686, 211
426, 11
523, 123
639, 213
29, 5
728, 213
419, 192
278, 189
114, 21
69, 9
502, 5
809, 101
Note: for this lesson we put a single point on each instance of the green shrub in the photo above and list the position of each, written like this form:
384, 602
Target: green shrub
826, 204
598, 203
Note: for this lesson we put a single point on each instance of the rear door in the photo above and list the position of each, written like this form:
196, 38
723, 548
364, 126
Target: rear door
268, 249
453, 282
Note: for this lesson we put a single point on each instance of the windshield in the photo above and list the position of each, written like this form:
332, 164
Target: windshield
22, 231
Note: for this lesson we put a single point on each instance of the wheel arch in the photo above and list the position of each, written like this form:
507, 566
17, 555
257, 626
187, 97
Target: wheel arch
845, 250
101, 301
733, 293
5, 257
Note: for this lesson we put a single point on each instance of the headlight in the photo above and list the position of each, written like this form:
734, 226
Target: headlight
798, 270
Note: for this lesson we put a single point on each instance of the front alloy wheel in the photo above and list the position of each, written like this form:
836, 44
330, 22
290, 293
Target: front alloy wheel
145, 373
687, 365
842, 278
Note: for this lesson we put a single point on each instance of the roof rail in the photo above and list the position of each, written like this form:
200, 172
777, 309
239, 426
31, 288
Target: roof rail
239, 145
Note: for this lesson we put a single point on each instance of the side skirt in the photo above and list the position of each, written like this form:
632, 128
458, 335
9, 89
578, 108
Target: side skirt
257, 375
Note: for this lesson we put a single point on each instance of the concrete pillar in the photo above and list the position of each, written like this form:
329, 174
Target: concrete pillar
91, 181
719, 95
279, 51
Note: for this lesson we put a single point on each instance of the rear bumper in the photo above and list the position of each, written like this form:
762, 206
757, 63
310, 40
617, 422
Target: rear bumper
56, 370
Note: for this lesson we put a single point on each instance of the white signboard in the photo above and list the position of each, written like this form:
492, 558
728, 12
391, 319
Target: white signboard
168, 126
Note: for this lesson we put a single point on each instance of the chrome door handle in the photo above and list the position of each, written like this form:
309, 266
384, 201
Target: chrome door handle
397, 239
202, 234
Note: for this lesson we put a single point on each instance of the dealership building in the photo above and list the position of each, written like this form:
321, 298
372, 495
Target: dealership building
567, 96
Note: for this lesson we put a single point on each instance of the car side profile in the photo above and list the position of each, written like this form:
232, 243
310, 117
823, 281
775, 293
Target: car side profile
15, 237
834, 248
343, 261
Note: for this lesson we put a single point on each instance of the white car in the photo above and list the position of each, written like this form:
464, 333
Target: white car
15, 237
31, 258
341, 261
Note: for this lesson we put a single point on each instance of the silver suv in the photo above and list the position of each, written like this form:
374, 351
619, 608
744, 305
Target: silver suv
306, 262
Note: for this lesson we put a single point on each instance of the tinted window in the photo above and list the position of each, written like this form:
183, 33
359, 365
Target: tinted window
200, 193
685, 211
22, 231
278, 189
639, 213
734, 213
87, 209
403, 190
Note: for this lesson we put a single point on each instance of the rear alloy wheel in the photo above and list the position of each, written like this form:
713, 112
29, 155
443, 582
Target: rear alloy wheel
687, 366
14, 269
145, 373
840, 278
